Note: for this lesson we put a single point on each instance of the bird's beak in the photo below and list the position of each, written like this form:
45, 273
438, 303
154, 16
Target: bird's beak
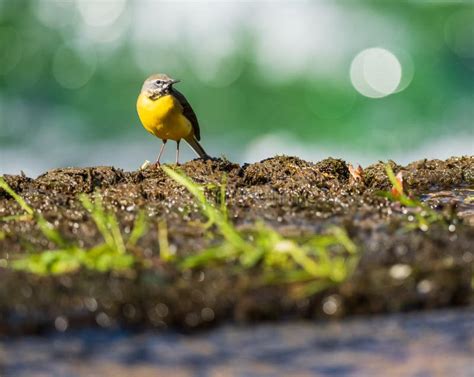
175, 81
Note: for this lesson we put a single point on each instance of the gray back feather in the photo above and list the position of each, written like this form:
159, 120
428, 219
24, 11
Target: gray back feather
188, 112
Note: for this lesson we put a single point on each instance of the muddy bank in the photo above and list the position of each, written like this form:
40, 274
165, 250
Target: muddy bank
400, 267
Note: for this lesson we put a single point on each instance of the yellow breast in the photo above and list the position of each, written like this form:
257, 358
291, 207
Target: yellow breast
163, 117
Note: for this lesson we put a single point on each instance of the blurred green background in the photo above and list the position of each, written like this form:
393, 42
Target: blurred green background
361, 80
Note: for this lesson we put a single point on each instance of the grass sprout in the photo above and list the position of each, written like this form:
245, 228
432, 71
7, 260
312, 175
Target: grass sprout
46, 227
111, 255
311, 262
326, 258
140, 227
106, 222
4, 185
421, 215
166, 253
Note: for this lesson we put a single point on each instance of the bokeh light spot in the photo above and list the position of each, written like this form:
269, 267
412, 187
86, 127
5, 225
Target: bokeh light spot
61, 323
216, 63
55, 14
100, 13
376, 72
72, 69
220, 72
408, 70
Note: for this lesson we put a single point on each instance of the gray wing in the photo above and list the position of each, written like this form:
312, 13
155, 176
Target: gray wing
188, 112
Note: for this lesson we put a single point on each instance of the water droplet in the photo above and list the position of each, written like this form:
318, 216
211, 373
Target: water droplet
161, 309
400, 271
424, 286
103, 320
331, 304
467, 257
91, 304
207, 314
61, 323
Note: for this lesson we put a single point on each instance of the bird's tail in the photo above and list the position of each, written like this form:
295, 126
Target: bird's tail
192, 141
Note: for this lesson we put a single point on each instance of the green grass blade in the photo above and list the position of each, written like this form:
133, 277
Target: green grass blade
50, 232
4, 185
393, 179
140, 227
165, 251
342, 238
223, 203
24, 217
192, 187
99, 217
113, 225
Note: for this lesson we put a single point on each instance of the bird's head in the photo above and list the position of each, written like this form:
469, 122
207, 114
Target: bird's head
158, 85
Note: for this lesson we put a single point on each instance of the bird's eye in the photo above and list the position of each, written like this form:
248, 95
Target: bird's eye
157, 82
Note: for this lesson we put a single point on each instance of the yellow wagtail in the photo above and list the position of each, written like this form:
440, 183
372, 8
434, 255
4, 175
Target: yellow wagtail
165, 113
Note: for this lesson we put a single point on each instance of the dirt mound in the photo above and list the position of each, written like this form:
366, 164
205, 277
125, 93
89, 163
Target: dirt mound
401, 267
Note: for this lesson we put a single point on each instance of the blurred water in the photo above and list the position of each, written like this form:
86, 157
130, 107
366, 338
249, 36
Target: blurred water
34, 159
421, 344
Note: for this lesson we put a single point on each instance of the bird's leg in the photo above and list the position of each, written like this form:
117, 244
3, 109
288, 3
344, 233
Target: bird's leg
177, 152
157, 163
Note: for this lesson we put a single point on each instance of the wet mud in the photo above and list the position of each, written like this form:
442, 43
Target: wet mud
401, 268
